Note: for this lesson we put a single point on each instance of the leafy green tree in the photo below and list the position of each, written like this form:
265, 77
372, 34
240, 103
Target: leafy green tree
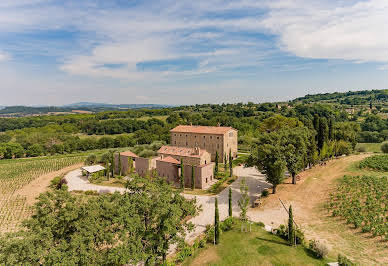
243, 202
35, 150
110, 229
192, 178
91, 159
295, 149
230, 163
384, 147
291, 232
182, 177
230, 206
217, 230
268, 156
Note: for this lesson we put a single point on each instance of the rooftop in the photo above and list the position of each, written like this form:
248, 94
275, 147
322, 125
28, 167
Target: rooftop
201, 129
129, 154
93, 168
181, 151
169, 159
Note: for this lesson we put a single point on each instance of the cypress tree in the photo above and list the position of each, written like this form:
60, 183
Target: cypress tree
182, 179
120, 165
291, 232
216, 223
130, 165
112, 166
216, 165
225, 163
230, 202
192, 178
230, 163
331, 129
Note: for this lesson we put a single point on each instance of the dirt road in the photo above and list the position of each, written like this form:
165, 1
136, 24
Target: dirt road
307, 199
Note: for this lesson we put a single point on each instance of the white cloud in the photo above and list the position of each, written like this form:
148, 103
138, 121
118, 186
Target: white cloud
4, 56
351, 31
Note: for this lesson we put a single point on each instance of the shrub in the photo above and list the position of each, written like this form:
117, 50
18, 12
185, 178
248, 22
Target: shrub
55, 181
91, 159
58, 182
361, 149
299, 235
265, 193
261, 224
319, 249
209, 233
147, 153
227, 225
344, 261
384, 147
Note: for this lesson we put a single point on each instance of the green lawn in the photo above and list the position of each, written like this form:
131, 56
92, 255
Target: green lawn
369, 147
253, 248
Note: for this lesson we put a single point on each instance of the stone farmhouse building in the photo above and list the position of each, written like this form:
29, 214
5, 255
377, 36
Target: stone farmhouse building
211, 139
194, 146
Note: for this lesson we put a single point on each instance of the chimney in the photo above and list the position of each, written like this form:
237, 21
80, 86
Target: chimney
218, 125
191, 124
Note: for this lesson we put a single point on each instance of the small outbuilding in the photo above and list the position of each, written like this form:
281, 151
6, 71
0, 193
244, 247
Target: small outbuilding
92, 169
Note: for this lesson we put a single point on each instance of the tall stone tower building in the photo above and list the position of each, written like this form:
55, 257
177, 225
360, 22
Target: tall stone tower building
211, 139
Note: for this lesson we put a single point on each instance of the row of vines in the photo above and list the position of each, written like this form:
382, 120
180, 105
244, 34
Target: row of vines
377, 162
14, 174
363, 202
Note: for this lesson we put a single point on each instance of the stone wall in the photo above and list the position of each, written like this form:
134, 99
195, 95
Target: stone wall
168, 171
203, 175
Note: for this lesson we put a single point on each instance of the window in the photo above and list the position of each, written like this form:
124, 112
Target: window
186, 135
203, 136
205, 161
218, 137
206, 180
230, 134
186, 143
175, 142
211, 137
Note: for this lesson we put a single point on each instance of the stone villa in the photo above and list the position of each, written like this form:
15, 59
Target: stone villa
211, 139
195, 147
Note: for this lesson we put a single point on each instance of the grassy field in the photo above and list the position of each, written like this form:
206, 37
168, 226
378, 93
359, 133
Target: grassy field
369, 147
160, 117
257, 247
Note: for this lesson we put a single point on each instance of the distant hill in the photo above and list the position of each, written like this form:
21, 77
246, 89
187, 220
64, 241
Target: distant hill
348, 98
17, 111
116, 106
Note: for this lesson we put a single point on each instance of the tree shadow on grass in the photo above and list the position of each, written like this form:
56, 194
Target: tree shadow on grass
272, 241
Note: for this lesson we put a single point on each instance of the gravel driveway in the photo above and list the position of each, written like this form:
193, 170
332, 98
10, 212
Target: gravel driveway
75, 181
256, 183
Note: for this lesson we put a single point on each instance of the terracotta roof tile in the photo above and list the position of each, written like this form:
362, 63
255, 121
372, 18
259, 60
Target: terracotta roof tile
181, 151
129, 154
169, 159
201, 129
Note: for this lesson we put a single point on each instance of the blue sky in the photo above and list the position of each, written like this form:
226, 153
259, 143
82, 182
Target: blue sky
186, 52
